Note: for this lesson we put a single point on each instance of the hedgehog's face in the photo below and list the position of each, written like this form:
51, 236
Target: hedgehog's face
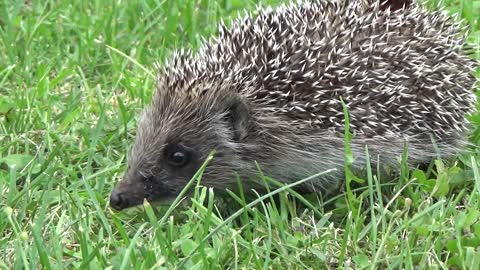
173, 142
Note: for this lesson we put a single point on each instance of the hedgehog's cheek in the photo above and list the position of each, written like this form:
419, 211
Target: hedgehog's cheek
160, 193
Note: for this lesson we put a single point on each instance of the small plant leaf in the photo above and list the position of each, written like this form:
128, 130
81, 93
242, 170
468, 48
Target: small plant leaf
18, 161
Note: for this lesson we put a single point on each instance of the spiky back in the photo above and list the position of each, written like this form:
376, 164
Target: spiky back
402, 71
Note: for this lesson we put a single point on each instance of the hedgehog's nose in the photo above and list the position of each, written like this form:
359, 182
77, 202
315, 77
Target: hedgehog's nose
118, 201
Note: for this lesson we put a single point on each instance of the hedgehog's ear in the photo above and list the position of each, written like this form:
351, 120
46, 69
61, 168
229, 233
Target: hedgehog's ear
238, 115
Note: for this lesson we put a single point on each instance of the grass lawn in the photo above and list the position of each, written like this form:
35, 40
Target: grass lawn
73, 77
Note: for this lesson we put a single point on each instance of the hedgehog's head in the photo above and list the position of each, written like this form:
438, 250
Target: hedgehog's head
176, 135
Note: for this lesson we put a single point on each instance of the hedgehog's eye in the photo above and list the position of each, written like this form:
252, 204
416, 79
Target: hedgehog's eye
177, 155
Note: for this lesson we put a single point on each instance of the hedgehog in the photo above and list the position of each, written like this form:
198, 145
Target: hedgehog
268, 92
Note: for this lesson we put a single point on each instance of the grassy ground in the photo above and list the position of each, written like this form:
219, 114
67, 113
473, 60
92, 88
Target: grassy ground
68, 107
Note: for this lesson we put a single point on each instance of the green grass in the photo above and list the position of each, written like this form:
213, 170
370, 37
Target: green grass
69, 98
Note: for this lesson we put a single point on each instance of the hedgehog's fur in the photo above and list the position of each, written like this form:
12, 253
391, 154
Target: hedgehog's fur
268, 89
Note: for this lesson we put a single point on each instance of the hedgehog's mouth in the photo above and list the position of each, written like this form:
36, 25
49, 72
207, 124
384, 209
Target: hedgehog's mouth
121, 199
163, 200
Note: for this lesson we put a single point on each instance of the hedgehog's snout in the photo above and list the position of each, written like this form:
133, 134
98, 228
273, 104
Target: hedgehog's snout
123, 197
118, 200
134, 188
127, 194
